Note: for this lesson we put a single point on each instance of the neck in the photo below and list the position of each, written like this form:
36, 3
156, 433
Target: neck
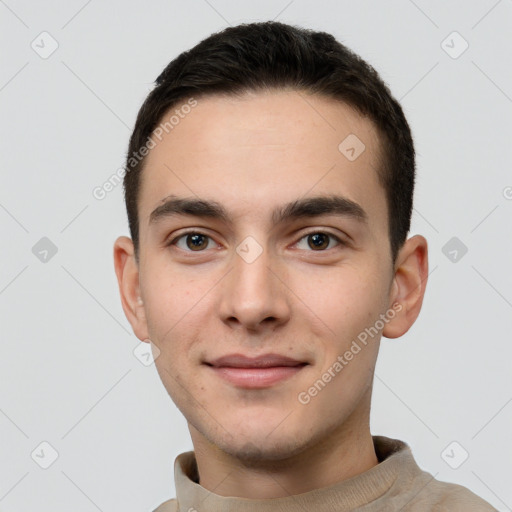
343, 454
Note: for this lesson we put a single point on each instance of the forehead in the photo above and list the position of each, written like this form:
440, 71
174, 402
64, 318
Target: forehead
254, 152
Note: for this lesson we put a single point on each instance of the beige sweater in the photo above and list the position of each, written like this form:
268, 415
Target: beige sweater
395, 484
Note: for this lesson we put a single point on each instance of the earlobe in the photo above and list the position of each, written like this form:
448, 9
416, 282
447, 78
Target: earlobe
408, 287
127, 273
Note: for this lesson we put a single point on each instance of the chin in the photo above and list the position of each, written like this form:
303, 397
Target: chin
251, 454
258, 446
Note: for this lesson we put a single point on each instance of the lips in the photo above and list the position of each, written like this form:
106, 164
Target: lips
255, 372
263, 361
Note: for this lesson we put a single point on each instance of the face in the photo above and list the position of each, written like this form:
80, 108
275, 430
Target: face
286, 267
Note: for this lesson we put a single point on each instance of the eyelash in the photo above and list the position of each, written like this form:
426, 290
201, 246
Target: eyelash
305, 235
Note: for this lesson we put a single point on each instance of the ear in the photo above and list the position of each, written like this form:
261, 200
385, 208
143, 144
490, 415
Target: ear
127, 272
408, 286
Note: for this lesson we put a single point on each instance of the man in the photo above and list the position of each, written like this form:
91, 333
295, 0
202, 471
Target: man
269, 187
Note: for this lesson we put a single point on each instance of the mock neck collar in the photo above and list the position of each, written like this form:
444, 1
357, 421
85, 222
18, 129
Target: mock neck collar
395, 460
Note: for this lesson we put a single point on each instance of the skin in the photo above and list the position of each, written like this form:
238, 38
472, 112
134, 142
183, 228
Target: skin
253, 154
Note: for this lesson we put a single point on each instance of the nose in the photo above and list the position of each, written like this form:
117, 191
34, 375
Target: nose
254, 295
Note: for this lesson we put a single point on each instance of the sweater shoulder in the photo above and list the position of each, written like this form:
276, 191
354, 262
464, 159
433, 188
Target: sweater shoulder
458, 498
439, 496
168, 506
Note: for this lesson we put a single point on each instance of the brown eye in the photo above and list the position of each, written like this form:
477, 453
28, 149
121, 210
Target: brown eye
318, 241
194, 241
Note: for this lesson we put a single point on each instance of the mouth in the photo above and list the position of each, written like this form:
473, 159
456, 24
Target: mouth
255, 372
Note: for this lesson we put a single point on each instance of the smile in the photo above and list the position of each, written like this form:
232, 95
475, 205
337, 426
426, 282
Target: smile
255, 373
254, 378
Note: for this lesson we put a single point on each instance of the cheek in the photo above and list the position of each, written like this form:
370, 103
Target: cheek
344, 301
172, 303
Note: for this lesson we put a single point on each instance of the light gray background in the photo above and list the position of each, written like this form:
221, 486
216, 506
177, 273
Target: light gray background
68, 372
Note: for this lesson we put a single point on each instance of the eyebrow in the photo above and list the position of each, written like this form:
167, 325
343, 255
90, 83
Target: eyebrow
301, 208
